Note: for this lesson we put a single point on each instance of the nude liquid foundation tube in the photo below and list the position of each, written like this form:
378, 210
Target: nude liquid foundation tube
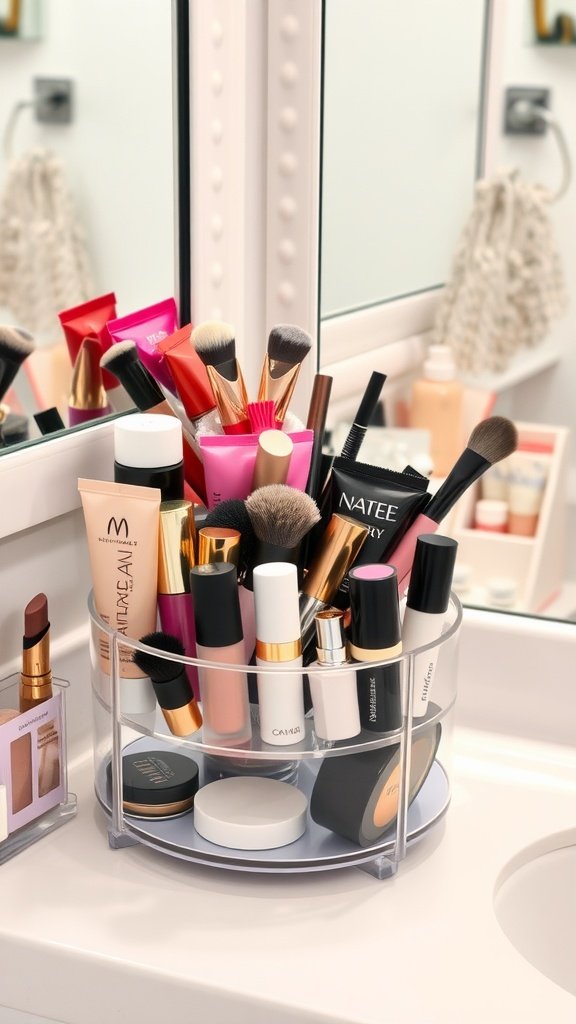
122, 533
278, 641
219, 638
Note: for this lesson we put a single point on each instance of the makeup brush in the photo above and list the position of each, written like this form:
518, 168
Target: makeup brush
170, 683
362, 418
123, 361
288, 346
281, 516
491, 441
15, 346
215, 343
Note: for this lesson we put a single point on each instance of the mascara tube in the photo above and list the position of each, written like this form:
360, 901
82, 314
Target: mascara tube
375, 635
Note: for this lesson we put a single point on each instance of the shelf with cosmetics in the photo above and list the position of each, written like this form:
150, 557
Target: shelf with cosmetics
510, 526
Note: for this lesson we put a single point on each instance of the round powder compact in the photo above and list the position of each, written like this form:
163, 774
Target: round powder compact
157, 783
250, 813
356, 795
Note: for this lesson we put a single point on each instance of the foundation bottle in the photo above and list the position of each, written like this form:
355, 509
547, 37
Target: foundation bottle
437, 401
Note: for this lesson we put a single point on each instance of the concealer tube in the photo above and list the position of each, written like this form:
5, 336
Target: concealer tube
219, 638
337, 551
272, 458
280, 695
176, 556
375, 635
334, 693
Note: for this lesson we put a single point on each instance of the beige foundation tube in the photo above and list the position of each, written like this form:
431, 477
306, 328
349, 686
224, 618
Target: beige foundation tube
122, 524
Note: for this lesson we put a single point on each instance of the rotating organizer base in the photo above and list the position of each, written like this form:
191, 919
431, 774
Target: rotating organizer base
317, 850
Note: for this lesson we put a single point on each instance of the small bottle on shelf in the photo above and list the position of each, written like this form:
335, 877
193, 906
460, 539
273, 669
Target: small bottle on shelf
437, 401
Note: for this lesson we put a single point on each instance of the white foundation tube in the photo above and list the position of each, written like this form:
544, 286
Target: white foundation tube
278, 641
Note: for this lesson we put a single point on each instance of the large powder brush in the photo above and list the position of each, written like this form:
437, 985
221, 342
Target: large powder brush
281, 517
215, 343
288, 346
491, 441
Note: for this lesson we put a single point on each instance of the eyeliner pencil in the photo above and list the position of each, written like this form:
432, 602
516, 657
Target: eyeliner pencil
362, 418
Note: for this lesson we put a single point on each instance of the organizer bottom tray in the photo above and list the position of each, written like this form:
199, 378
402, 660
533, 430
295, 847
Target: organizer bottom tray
317, 850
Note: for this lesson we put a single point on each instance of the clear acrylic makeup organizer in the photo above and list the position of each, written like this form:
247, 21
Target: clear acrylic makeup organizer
62, 812
318, 849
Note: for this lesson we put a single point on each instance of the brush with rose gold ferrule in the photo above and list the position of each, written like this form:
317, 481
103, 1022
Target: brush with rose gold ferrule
87, 399
288, 346
36, 675
179, 708
215, 343
337, 551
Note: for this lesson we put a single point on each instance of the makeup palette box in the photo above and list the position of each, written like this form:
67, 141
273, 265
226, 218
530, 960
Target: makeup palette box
34, 797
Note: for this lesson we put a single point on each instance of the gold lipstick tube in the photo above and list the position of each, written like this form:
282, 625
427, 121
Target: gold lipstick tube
231, 399
277, 384
272, 458
36, 675
88, 399
176, 548
218, 544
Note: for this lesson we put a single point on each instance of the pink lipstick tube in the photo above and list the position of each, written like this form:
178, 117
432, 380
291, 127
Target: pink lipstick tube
176, 556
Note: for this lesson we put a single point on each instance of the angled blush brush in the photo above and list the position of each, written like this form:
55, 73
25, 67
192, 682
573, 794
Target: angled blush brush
491, 441
215, 343
288, 346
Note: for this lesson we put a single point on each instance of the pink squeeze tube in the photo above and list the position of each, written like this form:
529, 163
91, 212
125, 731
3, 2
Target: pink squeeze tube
147, 327
229, 461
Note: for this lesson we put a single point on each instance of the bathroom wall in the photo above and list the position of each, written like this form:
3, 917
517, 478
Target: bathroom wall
547, 398
118, 151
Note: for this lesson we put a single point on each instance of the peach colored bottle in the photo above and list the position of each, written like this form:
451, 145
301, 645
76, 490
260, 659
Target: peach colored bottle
437, 401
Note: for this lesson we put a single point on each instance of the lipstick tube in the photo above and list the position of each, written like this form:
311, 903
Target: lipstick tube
280, 695
426, 606
36, 675
272, 458
338, 549
334, 694
224, 692
175, 559
218, 544
88, 399
375, 635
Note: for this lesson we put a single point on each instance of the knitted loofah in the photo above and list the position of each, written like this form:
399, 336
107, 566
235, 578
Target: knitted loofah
507, 282
43, 258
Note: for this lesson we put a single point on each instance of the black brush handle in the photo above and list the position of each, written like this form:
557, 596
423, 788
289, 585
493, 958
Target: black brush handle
465, 471
363, 416
136, 380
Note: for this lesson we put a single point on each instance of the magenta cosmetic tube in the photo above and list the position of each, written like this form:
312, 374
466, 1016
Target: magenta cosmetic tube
219, 638
147, 328
175, 559
229, 462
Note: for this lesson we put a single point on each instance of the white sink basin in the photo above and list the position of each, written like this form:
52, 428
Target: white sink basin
535, 904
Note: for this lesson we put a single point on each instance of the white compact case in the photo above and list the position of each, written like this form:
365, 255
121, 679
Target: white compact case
250, 813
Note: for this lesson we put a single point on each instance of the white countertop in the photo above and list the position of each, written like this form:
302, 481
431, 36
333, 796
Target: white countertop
89, 935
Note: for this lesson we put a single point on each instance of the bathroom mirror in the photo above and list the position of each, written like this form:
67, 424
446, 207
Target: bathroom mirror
124, 161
